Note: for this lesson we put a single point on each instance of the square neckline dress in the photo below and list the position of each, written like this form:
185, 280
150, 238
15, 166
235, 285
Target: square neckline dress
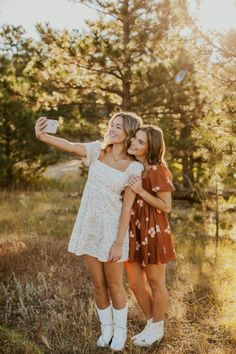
97, 221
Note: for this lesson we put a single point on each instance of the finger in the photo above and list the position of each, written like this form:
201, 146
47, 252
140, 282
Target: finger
43, 125
133, 178
134, 182
43, 121
40, 122
110, 257
136, 179
42, 118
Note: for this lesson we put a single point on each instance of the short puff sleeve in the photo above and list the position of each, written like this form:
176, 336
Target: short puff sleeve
161, 179
92, 151
135, 169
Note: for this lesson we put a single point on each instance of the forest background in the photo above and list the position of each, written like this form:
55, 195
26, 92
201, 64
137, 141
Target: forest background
150, 57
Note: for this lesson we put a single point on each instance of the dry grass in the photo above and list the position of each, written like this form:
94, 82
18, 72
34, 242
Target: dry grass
46, 297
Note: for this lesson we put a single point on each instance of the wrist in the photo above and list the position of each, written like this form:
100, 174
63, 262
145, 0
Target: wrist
40, 136
117, 243
142, 192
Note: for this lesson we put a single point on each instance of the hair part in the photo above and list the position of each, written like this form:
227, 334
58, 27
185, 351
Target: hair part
156, 144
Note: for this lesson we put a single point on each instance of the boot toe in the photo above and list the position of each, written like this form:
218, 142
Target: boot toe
146, 342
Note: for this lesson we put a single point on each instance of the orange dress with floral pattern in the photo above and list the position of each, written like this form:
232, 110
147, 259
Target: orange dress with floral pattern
151, 240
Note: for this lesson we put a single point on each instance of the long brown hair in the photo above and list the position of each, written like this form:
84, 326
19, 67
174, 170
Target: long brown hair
156, 144
131, 123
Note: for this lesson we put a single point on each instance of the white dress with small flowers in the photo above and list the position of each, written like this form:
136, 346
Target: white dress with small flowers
97, 222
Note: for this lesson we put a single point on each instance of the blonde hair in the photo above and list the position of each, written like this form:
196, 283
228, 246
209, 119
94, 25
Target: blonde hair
131, 123
156, 144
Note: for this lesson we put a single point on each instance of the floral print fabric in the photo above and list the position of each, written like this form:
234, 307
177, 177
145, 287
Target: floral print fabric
151, 240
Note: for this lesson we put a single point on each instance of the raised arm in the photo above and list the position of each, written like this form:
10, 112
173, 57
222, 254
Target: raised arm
128, 200
58, 143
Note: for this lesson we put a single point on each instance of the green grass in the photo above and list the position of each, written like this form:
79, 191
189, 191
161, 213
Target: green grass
14, 343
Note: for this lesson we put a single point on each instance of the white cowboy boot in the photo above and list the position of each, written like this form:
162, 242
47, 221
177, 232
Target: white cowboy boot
106, 320
139, 335
120, 328
154, 333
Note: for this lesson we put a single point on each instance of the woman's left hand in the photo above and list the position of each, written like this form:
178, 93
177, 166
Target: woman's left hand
115, 253
135, 183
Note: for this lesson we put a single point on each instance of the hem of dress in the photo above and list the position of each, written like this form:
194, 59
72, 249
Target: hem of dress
95, 256
157, 263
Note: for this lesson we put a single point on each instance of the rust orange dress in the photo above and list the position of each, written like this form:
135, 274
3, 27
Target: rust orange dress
151, 240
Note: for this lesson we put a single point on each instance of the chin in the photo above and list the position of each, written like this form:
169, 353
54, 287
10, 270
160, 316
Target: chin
131, 152
115, 139
112, 140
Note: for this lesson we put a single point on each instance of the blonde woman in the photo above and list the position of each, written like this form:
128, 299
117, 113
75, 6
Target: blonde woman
100, 233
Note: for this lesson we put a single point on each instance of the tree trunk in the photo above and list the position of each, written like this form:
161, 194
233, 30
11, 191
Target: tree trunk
8, 180
126, 81
187, 159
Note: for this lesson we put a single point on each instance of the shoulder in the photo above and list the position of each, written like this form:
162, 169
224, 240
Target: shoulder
161, 178
161, 170
93, 144
93, 147
92, 151
97, 143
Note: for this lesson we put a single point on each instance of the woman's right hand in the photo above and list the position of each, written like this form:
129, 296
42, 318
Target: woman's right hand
115, 253
41, 123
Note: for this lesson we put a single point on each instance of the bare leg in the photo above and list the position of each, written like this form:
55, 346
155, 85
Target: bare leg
137, 281
114, 279
96, 271
156, 279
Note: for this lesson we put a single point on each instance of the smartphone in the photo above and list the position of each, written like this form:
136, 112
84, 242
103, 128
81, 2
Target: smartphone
52, 126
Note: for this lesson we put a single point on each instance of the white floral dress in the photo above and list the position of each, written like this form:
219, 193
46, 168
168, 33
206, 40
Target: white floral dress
97, 222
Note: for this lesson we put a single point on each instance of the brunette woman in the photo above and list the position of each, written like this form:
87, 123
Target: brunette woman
151, 243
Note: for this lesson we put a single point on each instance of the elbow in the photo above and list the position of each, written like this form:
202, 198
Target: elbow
71, 149
168, 210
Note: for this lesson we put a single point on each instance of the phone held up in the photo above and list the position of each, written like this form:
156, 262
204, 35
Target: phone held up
51, 126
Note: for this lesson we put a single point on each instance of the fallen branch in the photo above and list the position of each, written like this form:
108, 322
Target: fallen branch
193, 196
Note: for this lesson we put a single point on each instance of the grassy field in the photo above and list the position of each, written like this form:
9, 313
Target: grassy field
46, 296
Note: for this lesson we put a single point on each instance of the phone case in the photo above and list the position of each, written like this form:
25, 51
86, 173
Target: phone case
51, 127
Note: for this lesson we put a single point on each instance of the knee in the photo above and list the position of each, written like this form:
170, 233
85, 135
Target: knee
114, 287
137, 287
157, 286
100, 288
